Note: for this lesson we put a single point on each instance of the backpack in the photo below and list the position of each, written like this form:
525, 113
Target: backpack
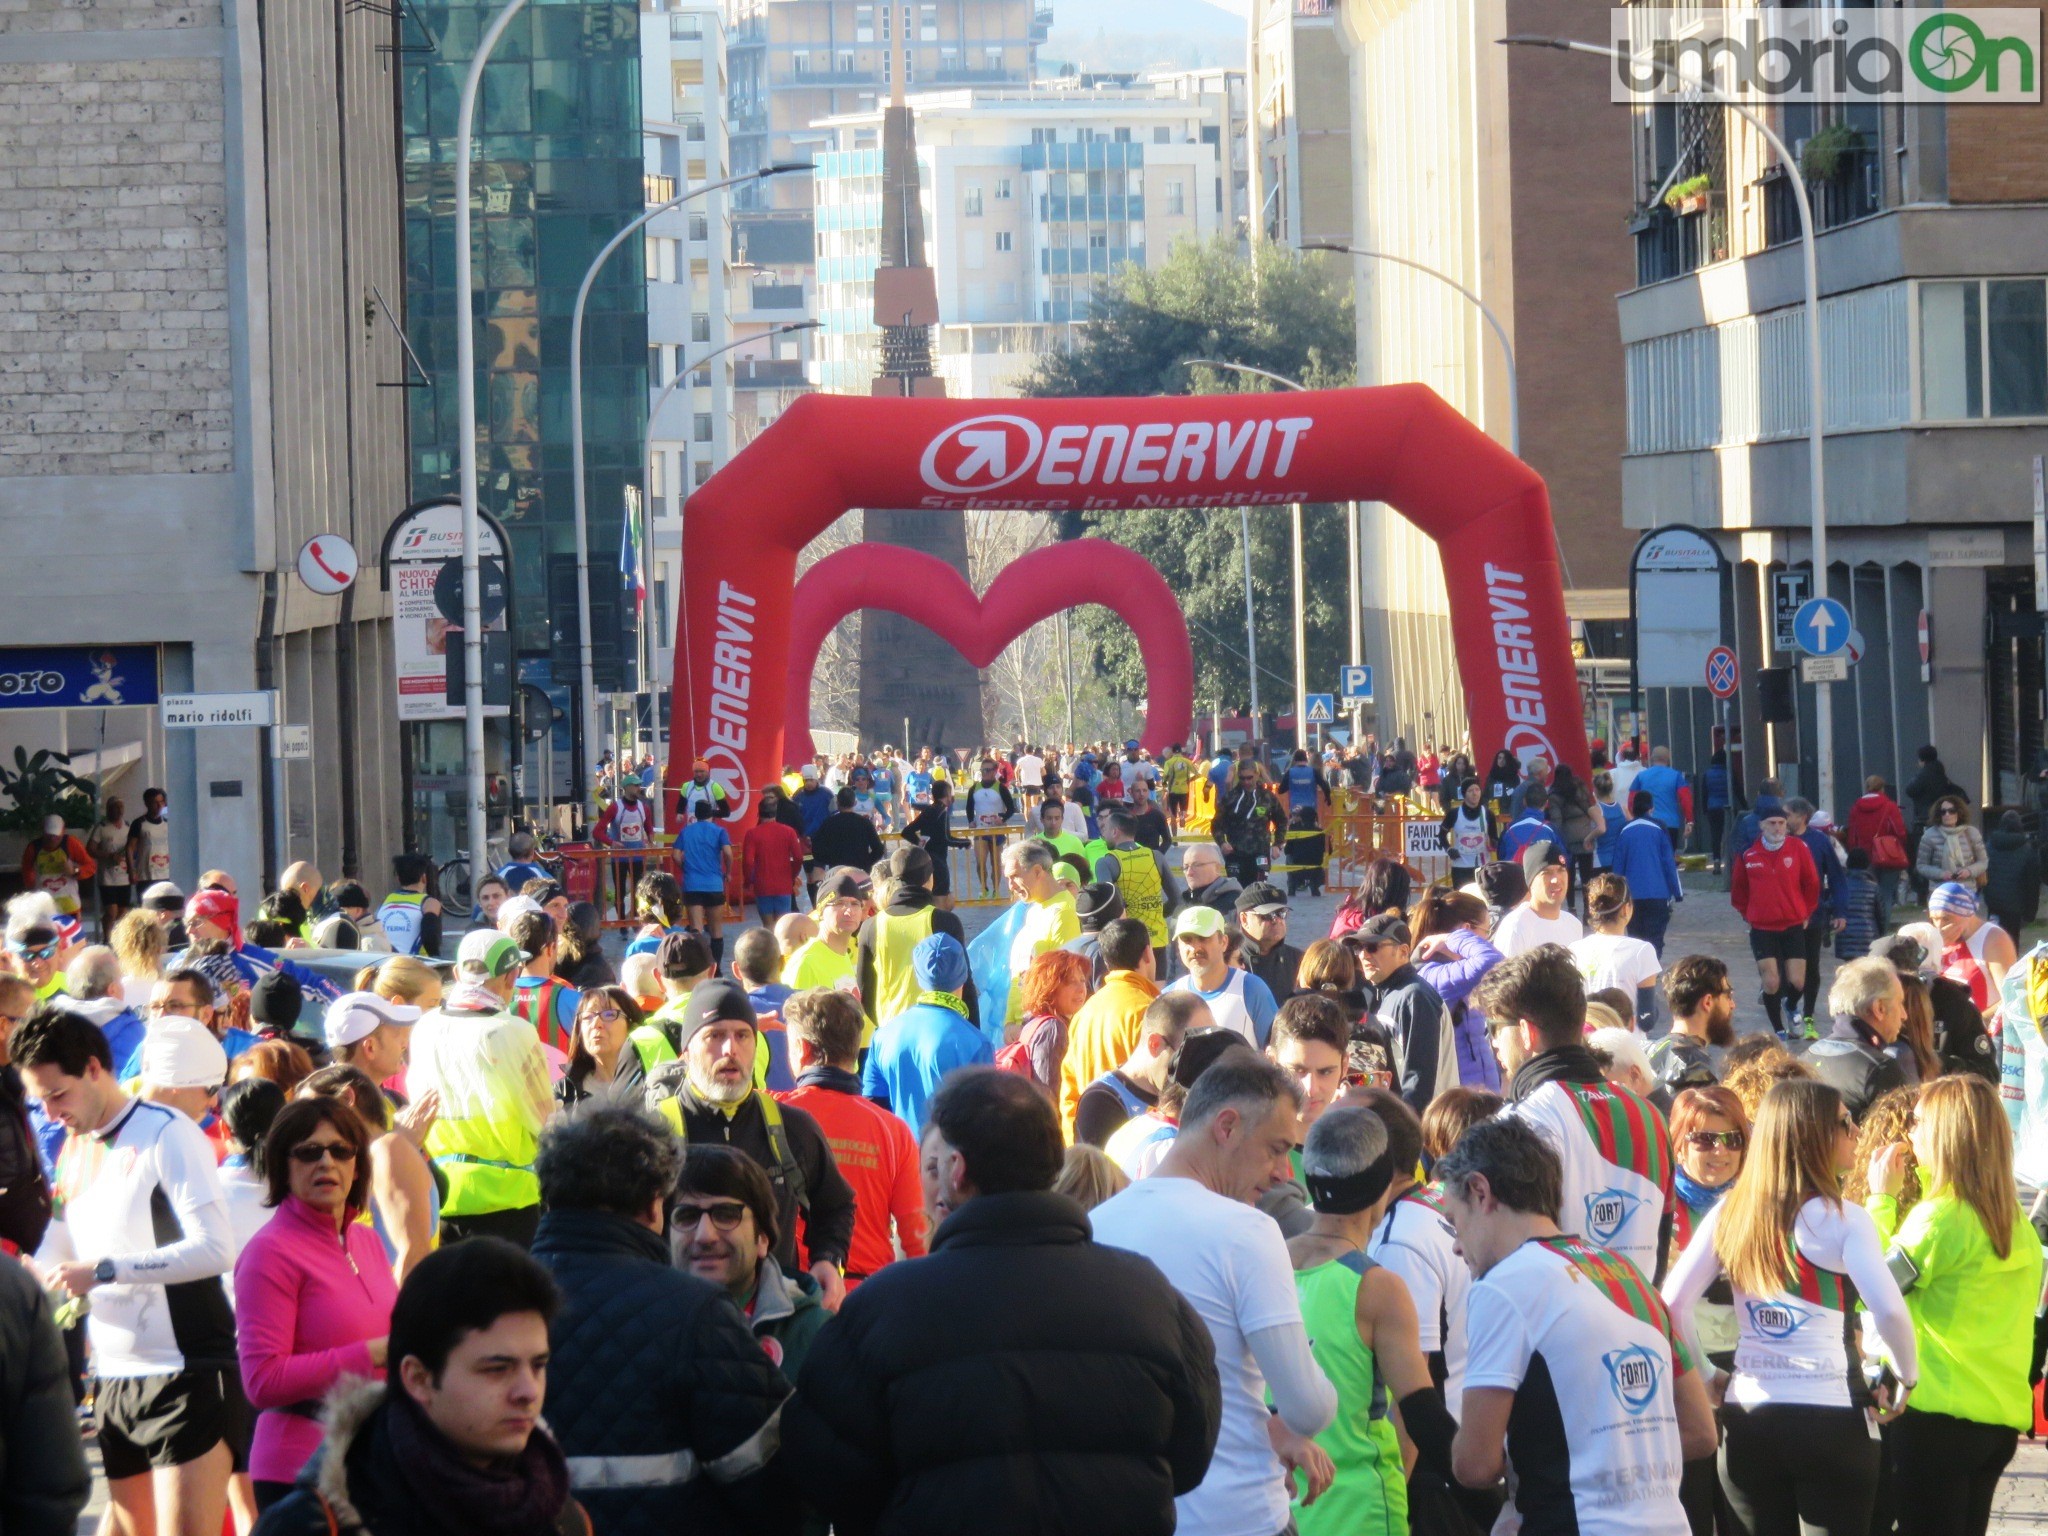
1015, 1057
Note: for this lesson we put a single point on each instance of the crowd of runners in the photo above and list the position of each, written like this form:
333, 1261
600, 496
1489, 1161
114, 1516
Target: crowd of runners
1130, 1210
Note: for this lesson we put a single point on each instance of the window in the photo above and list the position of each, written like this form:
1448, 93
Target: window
1123, 135
1002, 189
845, 63
654, 378
863, 23
1176, 197
928, 23
700, 471
700, 327
1098, 240
700, 227
1983, 349
1084, 135
800, 62
1162, 135
701, 427
992, 58
693, 129
657, 478
1045, 135
1002, 240
661, 259
970, 200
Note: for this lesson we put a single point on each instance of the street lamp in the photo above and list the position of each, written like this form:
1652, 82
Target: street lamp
587, 674
1300, 599
647, 505
465, 400
1500, 331
1816, 465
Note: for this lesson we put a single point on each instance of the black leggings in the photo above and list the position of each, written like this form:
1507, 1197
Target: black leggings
1794, 1470
1816, 937
1945, 1471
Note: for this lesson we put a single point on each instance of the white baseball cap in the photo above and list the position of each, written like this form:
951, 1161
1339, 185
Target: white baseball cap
513, 906
358, 1015
182, 1053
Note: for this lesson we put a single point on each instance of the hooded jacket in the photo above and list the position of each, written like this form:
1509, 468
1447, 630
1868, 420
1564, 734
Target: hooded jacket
652, 1364
1022, 1379
352, 1484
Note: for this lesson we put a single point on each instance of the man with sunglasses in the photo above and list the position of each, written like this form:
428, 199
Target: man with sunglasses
1262, 915
141, 1226
1702, 1002
34, 941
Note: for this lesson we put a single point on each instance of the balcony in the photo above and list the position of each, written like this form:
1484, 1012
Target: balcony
798, 79
659, 189
769, 373
1041, 20
1855, 191
1671, 245
776, 296
684, 28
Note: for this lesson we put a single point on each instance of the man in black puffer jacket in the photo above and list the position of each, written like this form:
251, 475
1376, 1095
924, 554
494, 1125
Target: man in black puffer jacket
1022, 1379
665, 1406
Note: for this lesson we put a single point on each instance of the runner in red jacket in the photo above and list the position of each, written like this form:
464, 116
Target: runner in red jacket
1776, 888
772, 854
874, 1149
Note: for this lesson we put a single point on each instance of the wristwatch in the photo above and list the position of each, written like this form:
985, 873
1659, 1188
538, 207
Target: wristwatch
103, 1272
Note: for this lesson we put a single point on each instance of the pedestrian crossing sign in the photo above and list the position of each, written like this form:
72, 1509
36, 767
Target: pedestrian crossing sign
1321, 709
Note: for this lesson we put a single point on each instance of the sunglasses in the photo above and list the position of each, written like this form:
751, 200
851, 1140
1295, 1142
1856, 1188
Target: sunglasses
725, 1214
1847, 1123
1708, 1141
311, 1152
46, 952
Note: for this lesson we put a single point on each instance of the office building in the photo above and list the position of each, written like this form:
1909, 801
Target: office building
196, 343
561, 169
1932, 244
1500, 169
1031, 198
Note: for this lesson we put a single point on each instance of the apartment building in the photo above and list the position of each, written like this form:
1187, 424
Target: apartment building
690, 290
1231, 130
1031, 197
1505, 172
1299, 119
1932, 248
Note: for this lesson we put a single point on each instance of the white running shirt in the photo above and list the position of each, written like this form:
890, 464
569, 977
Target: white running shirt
1616, 1152
1416, 1242
1584, 1343
144, 1192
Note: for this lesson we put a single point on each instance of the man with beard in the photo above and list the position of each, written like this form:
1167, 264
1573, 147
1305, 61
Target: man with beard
1702, 1023
708, 1096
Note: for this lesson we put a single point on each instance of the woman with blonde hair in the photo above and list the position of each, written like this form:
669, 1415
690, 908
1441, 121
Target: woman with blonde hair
1754, 1076
1088, 1177
138, 943
403, 979
284, 1062
1972, 1278
1798, 1455
1453, 954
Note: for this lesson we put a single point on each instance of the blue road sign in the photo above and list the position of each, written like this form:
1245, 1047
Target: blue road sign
1821, 626
1322, 709
1355, 683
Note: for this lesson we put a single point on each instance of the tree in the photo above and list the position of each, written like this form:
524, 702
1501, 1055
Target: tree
1281, 311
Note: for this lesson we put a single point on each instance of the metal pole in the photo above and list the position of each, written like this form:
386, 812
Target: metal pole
465, 396
1356, 598
647, 545
586, 666
1816, 425
1300, 641
1251, 630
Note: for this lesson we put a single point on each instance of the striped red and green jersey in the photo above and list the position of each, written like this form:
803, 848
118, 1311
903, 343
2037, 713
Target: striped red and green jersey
1623, 1284
1616, 1155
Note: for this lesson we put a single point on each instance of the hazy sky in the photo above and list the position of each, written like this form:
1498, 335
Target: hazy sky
1235, 7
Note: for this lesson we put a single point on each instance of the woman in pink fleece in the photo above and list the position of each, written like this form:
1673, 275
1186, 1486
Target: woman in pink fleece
313, 1291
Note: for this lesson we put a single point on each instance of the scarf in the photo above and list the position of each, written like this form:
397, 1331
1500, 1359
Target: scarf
1559, 1064
415, 1462
1699, 1198
950, 1000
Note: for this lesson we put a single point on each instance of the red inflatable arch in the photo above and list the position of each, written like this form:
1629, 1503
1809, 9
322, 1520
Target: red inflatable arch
1032, 587
1399, 444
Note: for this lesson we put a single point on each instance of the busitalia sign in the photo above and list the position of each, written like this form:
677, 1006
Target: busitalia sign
1826, 54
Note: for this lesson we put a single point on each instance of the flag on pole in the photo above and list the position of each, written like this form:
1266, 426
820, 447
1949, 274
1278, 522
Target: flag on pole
632, 567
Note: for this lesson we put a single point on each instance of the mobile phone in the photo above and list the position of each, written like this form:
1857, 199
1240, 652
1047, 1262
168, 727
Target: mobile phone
1903, 1269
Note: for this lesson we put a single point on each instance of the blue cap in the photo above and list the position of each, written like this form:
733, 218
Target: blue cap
1954, 898
940, 963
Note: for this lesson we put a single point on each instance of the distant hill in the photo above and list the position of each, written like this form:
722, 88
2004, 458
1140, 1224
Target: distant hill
1141, 34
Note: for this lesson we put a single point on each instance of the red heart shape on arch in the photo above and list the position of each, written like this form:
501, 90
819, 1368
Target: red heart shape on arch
927, 590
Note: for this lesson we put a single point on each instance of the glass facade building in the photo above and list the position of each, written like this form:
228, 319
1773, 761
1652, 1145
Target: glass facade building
559, 171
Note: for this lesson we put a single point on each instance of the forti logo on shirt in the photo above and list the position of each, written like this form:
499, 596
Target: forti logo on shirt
1777, 1319
986, 453
1634, 1375
1608, 1211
